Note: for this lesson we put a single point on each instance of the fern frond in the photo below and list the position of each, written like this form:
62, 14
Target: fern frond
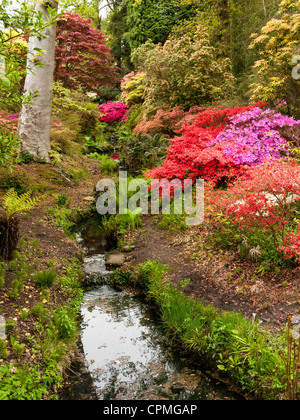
13, 203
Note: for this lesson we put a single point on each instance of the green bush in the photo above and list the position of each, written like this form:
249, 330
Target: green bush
65, 322
108, 165
45, 279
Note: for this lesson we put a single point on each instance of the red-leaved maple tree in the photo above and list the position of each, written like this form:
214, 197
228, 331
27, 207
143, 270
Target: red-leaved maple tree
82, 57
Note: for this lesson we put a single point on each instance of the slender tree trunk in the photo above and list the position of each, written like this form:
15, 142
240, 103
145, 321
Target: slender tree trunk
223, 35
34, 125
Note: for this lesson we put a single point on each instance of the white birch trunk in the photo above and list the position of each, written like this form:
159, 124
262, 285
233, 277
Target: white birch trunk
34, 122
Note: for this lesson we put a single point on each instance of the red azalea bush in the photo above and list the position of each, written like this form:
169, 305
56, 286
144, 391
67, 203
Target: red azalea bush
189, 155
266, 197
263, 204
291, 245
113, 111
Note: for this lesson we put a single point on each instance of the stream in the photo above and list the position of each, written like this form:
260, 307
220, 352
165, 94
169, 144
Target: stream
126, 354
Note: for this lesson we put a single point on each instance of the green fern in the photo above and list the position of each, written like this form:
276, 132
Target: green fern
14, 203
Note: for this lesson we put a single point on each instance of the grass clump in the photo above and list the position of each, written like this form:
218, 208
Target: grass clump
45, 279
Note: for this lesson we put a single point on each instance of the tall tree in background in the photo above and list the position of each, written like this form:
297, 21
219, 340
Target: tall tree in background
230, 24
34, 123
82, 57
154, 20
116, 27
278, 44
88, 9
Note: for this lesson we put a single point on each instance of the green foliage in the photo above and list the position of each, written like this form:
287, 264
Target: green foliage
63, 201
3, 351
277, 45
62, 217
252, 357
20, 183
142, 151
41, 312
2, 273
108, 165
45, 279
131, 220
14, 203
183, 72
65, 322
153, 20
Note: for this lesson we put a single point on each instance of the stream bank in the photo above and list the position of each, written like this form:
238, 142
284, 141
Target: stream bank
125, 355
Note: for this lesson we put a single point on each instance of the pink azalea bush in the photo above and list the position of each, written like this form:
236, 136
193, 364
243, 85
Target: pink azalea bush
113, 111
254, 136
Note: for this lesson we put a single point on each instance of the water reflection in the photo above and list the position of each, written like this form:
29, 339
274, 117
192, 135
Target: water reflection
127, 357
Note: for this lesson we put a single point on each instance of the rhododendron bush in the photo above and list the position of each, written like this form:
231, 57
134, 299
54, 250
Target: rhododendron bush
193, 155
224, 143
264, 204
113, 111
255, 136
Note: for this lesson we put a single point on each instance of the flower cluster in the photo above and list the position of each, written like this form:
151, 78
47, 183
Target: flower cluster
190, 156
113, 111
8, 123
253, 137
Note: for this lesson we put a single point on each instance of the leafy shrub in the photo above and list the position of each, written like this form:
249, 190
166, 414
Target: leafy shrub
133, 88
45, 279
142, 151
20, 183
182, 72
277, 44
107, 164
9, 143
65, 323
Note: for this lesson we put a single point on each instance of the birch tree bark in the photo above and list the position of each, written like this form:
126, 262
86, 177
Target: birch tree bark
34, 122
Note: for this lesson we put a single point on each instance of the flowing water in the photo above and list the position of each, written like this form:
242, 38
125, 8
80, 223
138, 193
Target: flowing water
126, 353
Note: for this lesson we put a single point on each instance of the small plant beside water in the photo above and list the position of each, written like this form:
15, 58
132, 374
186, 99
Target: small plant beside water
45, 279
108, 165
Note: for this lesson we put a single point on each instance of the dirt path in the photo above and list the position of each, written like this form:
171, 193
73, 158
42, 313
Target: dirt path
216, 277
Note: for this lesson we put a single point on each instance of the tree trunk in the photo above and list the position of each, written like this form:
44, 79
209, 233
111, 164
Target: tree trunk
9, 237
223, 35
34, 124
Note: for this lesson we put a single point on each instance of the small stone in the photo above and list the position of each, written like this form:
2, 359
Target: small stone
116, 259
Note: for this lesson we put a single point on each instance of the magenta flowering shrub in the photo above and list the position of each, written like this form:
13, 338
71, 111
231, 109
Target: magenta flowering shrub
113, 111
254, 137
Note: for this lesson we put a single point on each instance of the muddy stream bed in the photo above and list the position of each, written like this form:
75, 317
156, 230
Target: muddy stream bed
125, 353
